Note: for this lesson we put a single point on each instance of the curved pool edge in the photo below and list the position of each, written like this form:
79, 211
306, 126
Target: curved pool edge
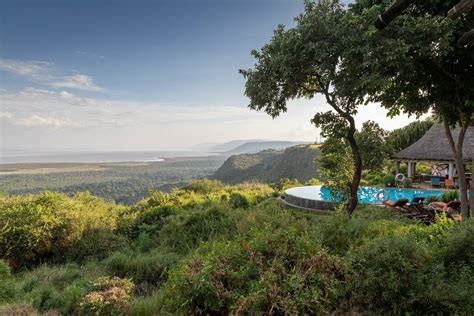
294, 201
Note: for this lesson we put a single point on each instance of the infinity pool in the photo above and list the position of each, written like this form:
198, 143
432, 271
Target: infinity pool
367, 195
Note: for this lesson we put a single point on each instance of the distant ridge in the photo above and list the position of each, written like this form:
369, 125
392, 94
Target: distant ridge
258, 146
295, 162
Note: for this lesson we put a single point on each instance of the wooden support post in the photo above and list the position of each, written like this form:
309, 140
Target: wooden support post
409, 170
460, 8
391, 13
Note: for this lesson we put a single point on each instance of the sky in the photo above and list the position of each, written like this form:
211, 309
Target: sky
141, 75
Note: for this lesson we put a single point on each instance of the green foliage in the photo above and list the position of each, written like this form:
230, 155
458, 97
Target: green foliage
48, 225
57, 287
286, 183
407, 183
401, 138
125, 183
189, 252
147, 270
186, 231
239, 200
110, 296
246, 276
449, 196
7, 286
204, 186
372, 145
337, 167
389, 180
389, 271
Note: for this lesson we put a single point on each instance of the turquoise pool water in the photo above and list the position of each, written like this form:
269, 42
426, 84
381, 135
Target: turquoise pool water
367, 195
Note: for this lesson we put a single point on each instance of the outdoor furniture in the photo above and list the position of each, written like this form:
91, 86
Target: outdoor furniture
436, 181
398, 205
449, 183
454, 205
418, 200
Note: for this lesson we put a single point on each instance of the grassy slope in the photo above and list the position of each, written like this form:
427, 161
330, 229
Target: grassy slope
205, 251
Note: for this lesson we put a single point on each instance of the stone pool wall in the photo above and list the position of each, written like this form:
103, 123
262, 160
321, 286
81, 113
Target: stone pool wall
307, 203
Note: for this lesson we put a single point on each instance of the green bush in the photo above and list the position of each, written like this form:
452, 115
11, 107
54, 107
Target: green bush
147, 270
204, 186
389, 180
407, 183
7, 286
185, 231
44, 226
95, 244
449, 196
280, 272
239, 200
389, 273
58, 287
110, 296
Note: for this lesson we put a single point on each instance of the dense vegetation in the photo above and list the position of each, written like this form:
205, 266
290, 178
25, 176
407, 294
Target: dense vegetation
125, 183
209, 248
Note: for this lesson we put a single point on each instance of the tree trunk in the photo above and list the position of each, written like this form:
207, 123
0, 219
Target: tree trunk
354, 185
457, 149
472, 188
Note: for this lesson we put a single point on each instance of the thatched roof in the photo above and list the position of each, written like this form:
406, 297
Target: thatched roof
434, 146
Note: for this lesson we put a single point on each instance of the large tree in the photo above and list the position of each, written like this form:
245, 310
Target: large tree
303, 62
415, 64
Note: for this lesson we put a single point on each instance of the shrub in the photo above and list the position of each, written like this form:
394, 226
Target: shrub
286, 183
7, 287
110, 296
280, 272
457, 247
147, 270
148, 220
239, 200
449, 196
204, 186
389, 273
42, 227
407, 183
185, 231
58, 287
95, 244
389, 180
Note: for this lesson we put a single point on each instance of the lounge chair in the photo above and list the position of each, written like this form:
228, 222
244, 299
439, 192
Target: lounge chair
445, 206
398, 205
418, 200
449, 183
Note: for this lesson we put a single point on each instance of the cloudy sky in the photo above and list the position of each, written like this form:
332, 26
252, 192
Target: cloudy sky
140, 75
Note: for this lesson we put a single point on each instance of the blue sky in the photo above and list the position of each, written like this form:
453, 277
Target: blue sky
123, 74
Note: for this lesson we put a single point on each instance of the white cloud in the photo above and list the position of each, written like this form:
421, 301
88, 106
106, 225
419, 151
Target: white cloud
36, 120
76, 81
59, 119
24, 68
46, 73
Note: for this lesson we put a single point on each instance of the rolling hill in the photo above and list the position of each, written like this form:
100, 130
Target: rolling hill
271, 165
258, 146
